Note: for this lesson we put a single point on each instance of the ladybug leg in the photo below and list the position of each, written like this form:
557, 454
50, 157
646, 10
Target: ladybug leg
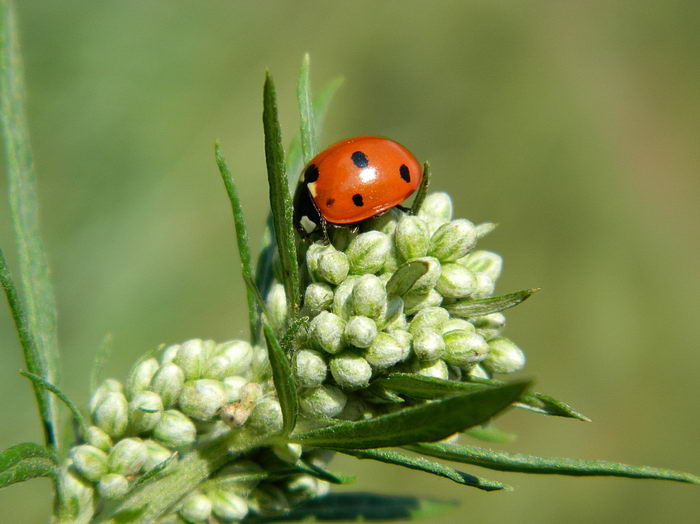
405, 209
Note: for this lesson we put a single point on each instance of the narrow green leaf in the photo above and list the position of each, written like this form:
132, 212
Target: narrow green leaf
491, 434
405, 276
26, 461
101, 356
427, 422
287, 342
253, 289
280, 200
307, 119
32, 356
422, 190
485, 306
77, 415
428, 466
158, 471
503, 461
283, 378
241, 238
361, 507
38, 294
314, 471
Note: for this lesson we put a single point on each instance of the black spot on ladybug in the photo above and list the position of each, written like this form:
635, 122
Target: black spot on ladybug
311, 174
357, 200
330, 202
359, 159
405, 173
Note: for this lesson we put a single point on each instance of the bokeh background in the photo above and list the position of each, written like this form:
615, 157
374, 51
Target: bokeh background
574, 125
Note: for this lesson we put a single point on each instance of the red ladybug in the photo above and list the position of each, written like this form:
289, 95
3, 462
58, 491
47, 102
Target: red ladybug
354, 179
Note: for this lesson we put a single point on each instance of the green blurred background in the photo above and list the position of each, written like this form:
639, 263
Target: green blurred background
574, 125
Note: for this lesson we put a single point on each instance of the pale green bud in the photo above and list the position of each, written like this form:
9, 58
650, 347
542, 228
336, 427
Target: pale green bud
233, 387
455, 324
167, 383
355, 409
483, 261
350, 370
360, 331
437, 206
227, 506
414, 302
392, 316
322, 402
111, 414
196, 508
431, 317
231, 358
98, 438
477, 371
367, 252
90, 462
369, 296
342, 299
78, 494
392, 261
412, 237
108, 386
201, 399
464, 348
489, 326
260, 366
385, 351
140, 376
485, 286
191, 358
266, 416
155, 454
287, 452
113, 486
310, 368
276, 302
456, 281
168, 354
302, 488
428, 281
485, 228
434, 369
428, 344
128, 456
251, 393
174, 429
452, 240
504, 356
333, 266
403, 337
144, 411
386, 222
326, 330
313, 253
317, 297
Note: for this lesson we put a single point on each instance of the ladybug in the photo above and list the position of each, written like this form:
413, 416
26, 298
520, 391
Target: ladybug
353, 180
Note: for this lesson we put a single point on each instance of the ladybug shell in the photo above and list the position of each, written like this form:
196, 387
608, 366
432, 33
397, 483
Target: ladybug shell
358, 178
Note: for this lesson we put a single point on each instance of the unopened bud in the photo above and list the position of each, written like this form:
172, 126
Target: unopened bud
431, 317
392, 316
310, 368
144, 411
326, 330
276, 302
98, 438
317, 297
167, 383
168, 354
350, 370
476, 371
227, 506
269, 500
414, 302
333, 266
313, 253
437, 206
128, 456
428, 344
260, 366
455, 324
485, 286
108, 386
111, 414
266, 416
452, 240
79, 492
427, 281
403, 337
233, 387
412, 237
456, 281
385, 351
504, 356
113, 486
386, 222
196, 508
483, 261
174, 429
489, 326
434, 369
230, 358
360, 331
191, 358
155, 454
342, 300
464, 348
287, 452
140, 376
367, 252
369, 296
90, 462
323, 402
201, 399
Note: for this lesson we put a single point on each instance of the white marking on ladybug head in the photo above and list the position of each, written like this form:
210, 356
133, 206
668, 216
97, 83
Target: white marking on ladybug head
312, 188
308, 225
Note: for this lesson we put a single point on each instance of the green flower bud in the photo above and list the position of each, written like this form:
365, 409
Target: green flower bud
233, 387
342, 300
201, 399
367, 252
355, 409
269, 500
313, 253
428, 344
266, 416
260, 366
477, 371
276, 302
369, 296
483, 261
302, 488
403, 337
455, 324
350, 370
108, 386
322, 402
431, 317
317, 297
504, 356
452, 240
310, 368
360, 331
113, 486
456, 281
392, 261
485, 286
230, 358
326, 330
386, 222
167, 383
144, 411
140, 376
227, 506
437, 206
434, 369
79, 494
174, 429
333, 266
111, 414
155, 454
98, 438
484, 229
412, 237
287, 452
191, 358
90, 462
385, 351
251, 393
464, 348
392, 316
430, 278
489, 326
196, 508
414, 302
128, 456
168, 354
